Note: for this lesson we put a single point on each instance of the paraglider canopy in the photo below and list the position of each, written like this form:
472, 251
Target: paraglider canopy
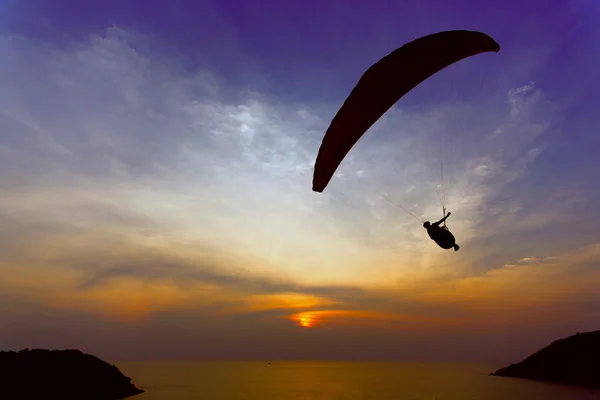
384, 83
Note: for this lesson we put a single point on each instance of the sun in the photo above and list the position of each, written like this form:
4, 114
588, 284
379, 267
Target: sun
305, 321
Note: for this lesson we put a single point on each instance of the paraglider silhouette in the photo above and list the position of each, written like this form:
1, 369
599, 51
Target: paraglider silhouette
441, 234
386, 82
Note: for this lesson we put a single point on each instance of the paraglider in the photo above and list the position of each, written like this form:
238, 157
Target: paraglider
441, 234
386, 82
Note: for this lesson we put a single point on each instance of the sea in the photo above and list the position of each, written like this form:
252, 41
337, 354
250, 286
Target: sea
322, 380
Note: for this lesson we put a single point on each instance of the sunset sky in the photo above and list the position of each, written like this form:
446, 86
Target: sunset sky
156, 165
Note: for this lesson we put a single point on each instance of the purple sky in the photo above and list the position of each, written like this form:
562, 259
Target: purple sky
157, 159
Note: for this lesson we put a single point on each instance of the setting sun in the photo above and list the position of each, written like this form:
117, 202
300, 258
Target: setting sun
305, 321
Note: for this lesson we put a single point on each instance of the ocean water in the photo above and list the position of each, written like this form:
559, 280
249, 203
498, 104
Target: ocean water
317, 380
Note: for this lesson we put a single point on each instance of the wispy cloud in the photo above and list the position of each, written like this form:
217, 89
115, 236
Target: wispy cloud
133, 189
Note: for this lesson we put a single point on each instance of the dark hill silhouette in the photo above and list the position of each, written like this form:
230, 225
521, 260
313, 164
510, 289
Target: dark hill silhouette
572, 361
61, 374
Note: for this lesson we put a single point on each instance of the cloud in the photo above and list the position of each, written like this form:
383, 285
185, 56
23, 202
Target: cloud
536, 260
131, 188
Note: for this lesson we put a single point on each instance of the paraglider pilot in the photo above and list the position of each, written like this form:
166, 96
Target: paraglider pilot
441, 235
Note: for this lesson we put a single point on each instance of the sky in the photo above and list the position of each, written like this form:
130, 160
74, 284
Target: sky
157, 159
